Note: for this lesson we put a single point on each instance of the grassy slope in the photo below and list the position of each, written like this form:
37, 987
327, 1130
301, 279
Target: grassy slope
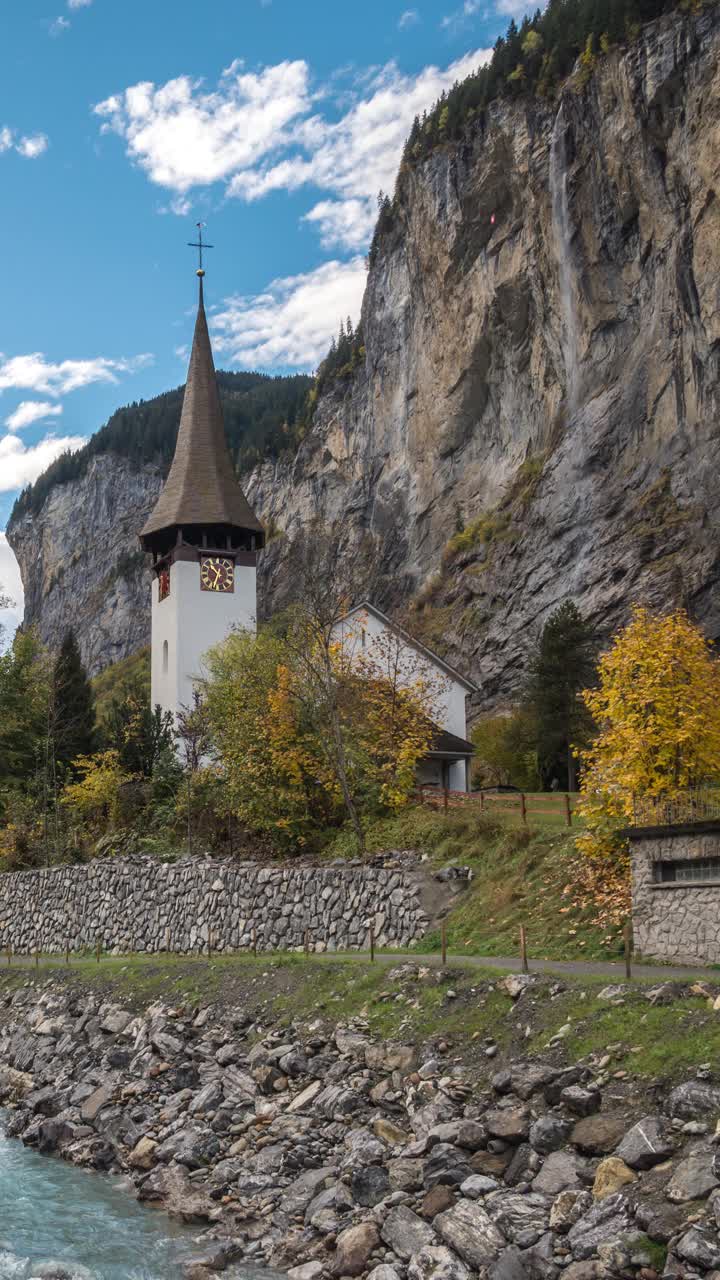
464, 1006
117, 680
519, 877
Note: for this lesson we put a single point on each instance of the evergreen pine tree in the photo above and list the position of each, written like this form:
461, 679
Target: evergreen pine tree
563, 665
73, 704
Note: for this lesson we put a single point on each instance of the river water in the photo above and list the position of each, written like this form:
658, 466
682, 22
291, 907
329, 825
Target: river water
84, 1223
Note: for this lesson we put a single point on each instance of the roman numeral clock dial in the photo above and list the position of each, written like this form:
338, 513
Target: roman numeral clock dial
217, 573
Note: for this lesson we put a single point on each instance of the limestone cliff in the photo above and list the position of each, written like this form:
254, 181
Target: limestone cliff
81, 564
542, 333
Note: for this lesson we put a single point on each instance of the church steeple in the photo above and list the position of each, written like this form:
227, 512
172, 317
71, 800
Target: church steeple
201, 494
203, 537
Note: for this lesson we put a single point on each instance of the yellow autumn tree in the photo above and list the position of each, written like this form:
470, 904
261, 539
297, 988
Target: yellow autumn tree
657, 707
94, 797
308, 733
270, 768
398, 697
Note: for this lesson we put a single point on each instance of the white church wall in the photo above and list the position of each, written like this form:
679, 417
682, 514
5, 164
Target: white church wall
450, 706
458, 775
190, 621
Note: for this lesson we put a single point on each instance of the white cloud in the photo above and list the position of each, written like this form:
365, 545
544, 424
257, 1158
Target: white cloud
29, 411
292, 323
345, 224
21, 465
515, 8
256, 133
32, 146
79, 4
458, 19
359, 154
60, 24
10, 585
179, 205
184, 137
29, 145
408, 19
35, 373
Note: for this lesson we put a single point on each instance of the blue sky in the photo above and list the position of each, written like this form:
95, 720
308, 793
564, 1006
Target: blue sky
123, 122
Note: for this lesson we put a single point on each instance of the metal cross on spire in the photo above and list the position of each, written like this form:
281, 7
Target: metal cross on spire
200, 245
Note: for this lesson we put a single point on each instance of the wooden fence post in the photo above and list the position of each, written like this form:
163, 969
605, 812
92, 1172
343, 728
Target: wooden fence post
9, 954
523, 949
98, 949
37, 958
443, 941
67, 952
210, 942
445, 798
568, 811
523, 808
254, 941
627, 941
372, 945
307, 943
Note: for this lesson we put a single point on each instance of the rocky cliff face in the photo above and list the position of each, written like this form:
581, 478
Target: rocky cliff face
81, 564
542, 330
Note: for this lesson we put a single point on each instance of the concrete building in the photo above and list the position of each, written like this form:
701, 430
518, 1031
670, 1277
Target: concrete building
366, 631
676, 891
203, 538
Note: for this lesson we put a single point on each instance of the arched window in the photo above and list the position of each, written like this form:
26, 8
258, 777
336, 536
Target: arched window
165, 656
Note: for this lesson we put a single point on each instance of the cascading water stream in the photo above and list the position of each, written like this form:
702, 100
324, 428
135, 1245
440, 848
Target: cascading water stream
562, 235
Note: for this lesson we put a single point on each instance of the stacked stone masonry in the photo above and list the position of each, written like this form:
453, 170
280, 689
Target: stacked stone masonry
675, 921
142, 905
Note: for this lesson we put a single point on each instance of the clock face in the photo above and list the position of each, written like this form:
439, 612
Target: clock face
163, 584
217, 574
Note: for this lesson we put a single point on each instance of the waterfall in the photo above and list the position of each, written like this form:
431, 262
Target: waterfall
562, 235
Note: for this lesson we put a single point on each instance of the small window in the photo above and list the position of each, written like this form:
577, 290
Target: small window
690, 870
165, 656
363, 637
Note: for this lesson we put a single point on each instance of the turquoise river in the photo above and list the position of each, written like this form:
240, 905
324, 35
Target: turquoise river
61, 1223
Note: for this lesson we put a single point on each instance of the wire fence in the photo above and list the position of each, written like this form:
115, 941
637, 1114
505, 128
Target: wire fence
687, 808
558, 807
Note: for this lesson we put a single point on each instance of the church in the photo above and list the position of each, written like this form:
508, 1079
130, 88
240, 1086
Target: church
204, 539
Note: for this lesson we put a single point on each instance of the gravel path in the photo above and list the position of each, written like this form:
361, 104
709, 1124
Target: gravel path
580, 968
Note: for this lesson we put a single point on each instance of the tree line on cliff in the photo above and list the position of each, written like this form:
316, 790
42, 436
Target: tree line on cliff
533, 59
263, 416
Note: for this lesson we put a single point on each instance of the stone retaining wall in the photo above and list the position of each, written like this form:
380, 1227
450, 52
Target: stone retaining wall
138, 904
677, 921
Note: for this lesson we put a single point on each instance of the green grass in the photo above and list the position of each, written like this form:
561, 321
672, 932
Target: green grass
520, 877
648, 1041
408, 1008
144, 978
656, 1253
406, 1002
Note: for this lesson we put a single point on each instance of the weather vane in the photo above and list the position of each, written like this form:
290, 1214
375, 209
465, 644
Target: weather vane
198, 244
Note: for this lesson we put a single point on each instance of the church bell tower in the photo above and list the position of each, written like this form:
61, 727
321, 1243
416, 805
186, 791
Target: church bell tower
203, 538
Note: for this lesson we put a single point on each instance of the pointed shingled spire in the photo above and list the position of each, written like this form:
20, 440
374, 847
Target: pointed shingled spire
201, 488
